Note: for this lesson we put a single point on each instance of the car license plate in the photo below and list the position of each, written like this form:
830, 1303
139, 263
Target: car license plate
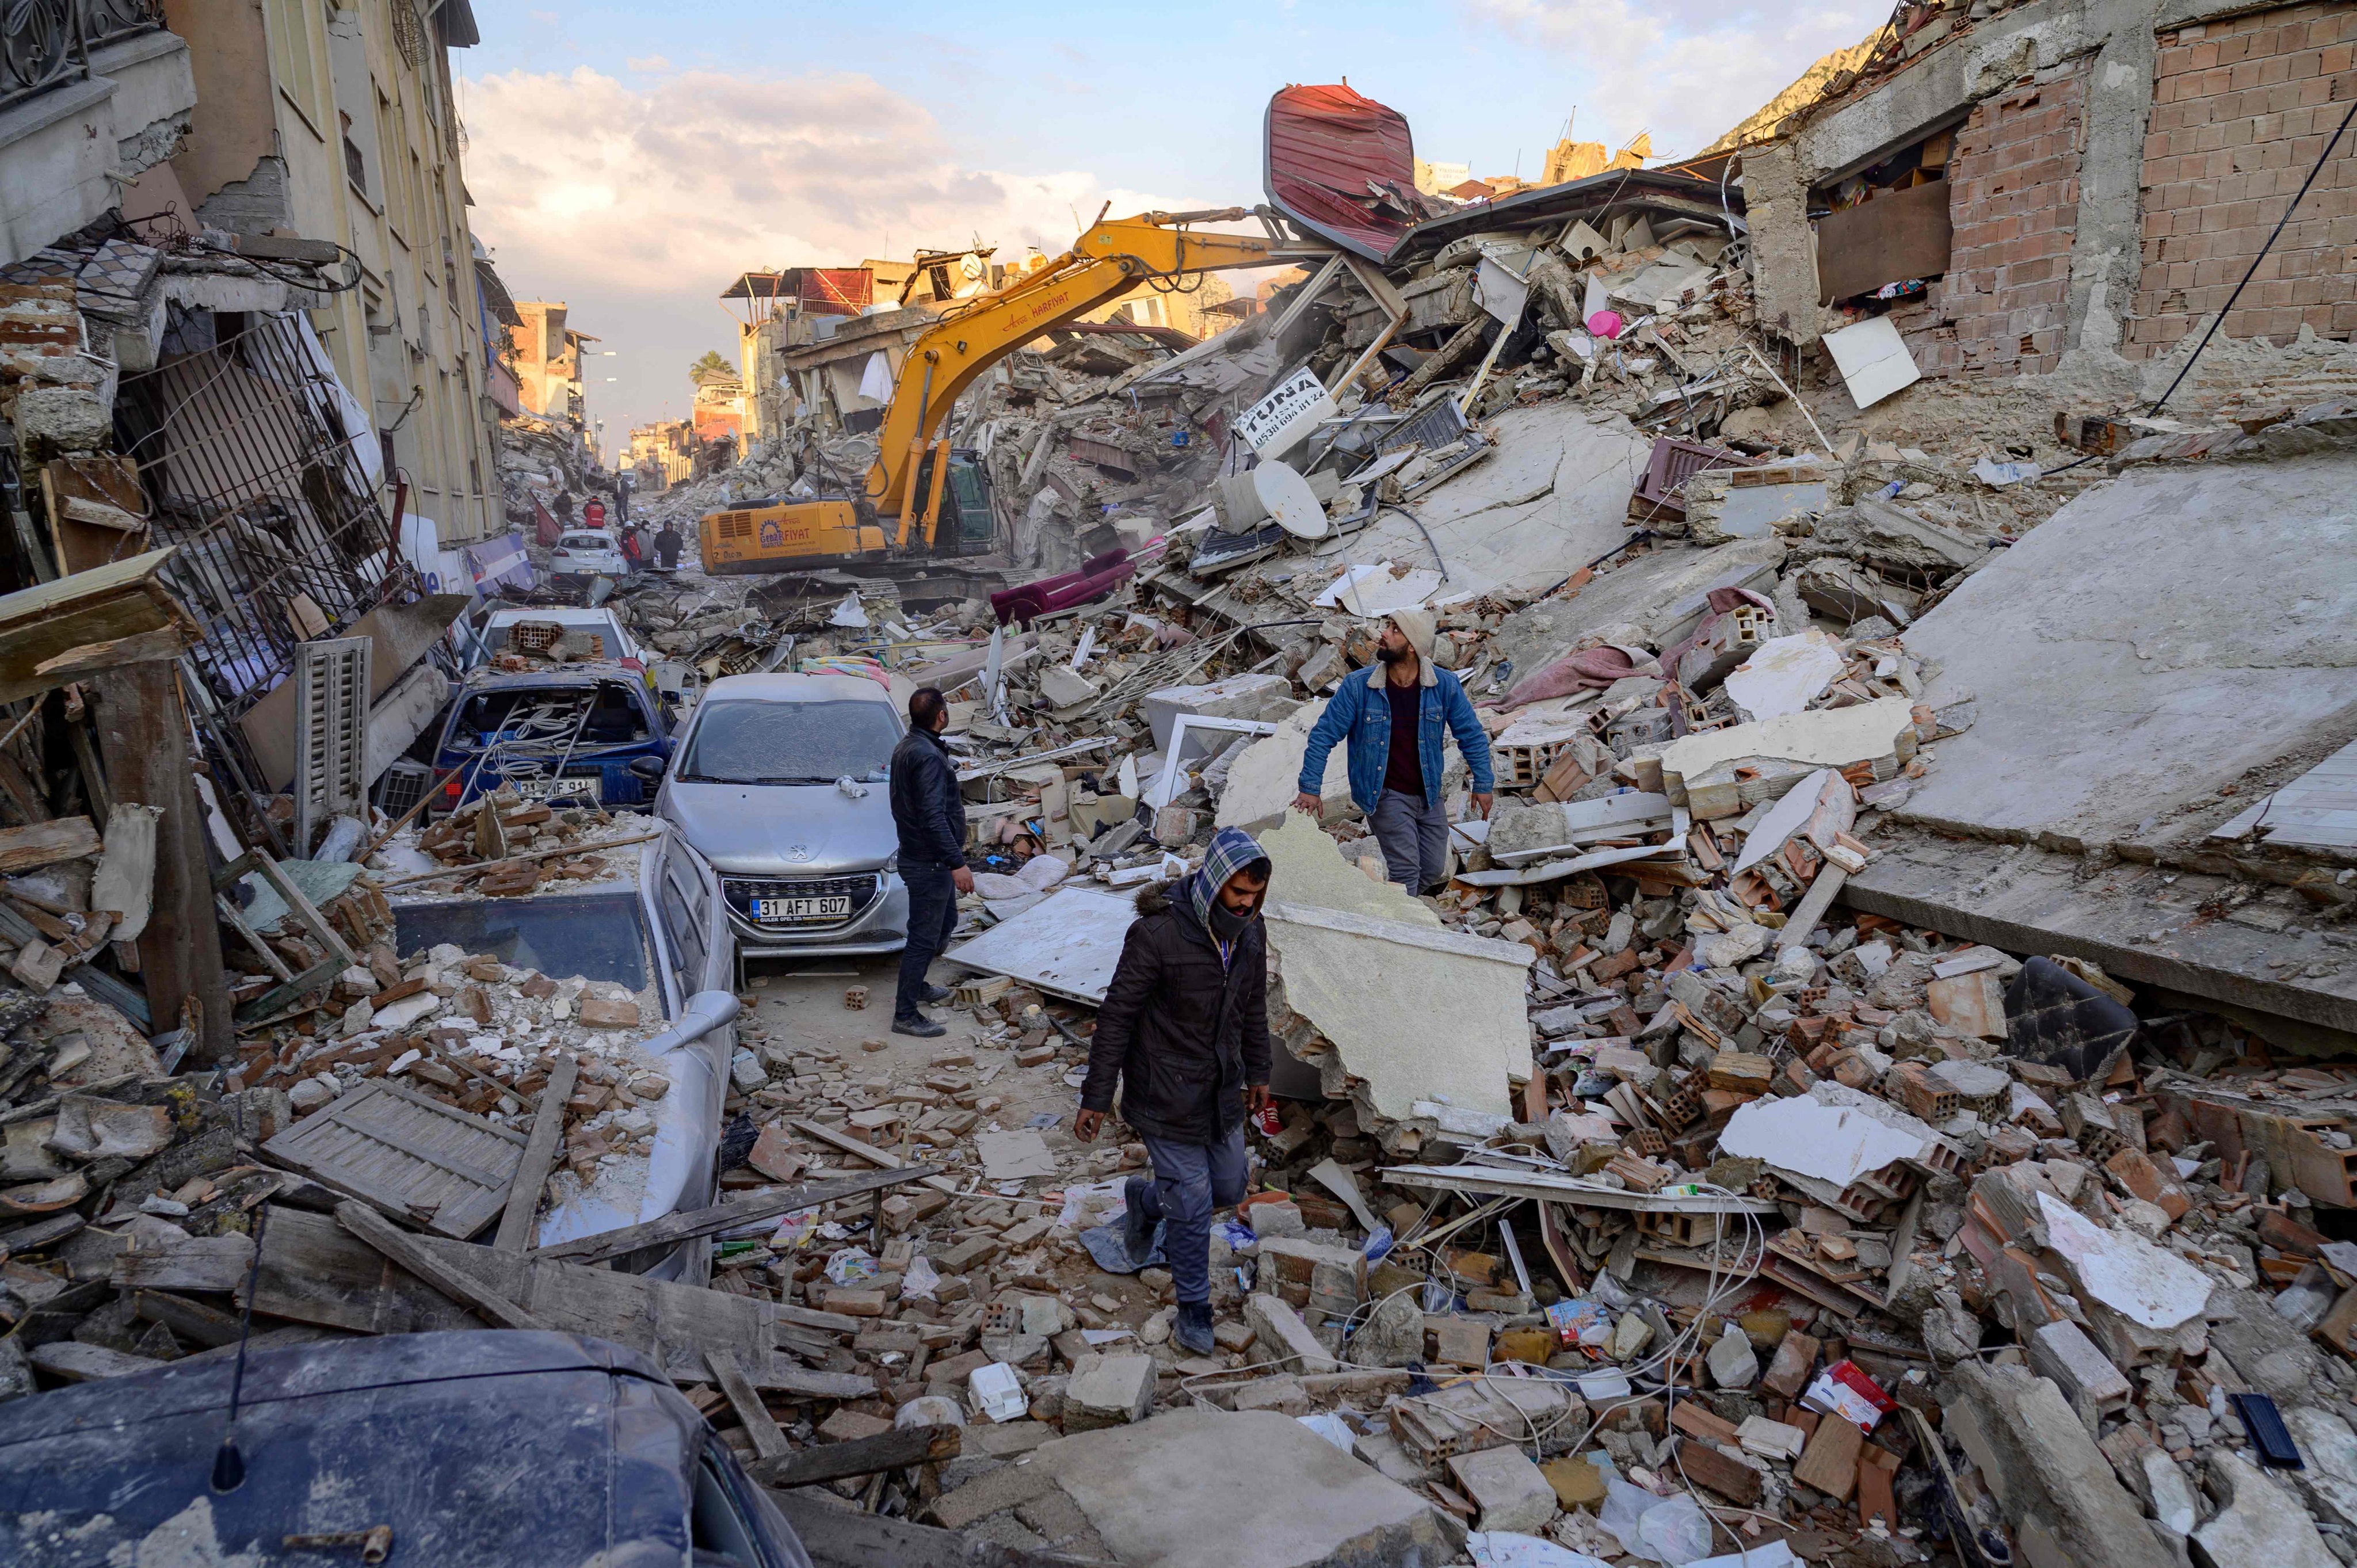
802, 908
548, 789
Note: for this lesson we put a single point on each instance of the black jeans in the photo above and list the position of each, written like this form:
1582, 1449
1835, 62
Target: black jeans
933, 915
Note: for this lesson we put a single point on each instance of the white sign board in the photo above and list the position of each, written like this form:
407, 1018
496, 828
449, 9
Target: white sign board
1280, 420
1501, 291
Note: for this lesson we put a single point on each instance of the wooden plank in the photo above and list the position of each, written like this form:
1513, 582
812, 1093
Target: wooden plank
187, 1319
894, 1450
45, 843
410, 1155
397, 1244
1899, 235
187, 1263
314, 1271
804, 1384
769, 1442
101, 604
825, 1134
837, 1534
676, 1228
539, 1155
678, 1324
143, 739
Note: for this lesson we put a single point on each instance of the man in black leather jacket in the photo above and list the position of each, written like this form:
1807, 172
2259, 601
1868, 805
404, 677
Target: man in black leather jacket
929, 814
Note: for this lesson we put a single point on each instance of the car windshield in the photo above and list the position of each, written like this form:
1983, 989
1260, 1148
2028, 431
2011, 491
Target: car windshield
790, 742
585, 541
550, 714
598, 936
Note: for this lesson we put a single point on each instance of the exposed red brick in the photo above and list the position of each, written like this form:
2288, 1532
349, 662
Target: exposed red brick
2240, 110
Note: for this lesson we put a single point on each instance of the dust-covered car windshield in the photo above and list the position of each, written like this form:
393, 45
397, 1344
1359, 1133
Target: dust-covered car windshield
598, 936
790, 742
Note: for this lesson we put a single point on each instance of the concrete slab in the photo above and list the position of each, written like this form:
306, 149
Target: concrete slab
1306, 868
1346, 973
1553, 497
2273, 969
1654, 594
1261, 1491
1262, 778
2158, 638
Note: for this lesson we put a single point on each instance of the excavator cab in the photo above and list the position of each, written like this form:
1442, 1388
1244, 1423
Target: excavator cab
964, 525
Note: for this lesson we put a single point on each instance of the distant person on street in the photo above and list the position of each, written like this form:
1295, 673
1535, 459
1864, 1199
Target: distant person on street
667, 544
1392, 718
1185, 1027
634, 553
930, 813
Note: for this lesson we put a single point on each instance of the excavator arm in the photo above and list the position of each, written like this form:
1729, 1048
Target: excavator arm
1102, 264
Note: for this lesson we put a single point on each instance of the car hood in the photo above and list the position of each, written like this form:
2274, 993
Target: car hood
780, 830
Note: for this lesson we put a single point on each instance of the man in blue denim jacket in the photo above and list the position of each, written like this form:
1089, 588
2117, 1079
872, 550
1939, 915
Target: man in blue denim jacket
1391, 715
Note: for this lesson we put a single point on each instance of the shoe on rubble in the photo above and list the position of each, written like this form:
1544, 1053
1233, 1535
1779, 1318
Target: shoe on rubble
1193, 1329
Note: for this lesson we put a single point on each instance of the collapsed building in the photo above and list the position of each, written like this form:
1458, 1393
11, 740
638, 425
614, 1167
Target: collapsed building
1874, 1090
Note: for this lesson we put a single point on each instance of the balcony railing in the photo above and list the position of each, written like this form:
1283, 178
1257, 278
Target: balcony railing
45, 43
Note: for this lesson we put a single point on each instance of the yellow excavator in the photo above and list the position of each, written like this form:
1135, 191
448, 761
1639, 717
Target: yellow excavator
923, 502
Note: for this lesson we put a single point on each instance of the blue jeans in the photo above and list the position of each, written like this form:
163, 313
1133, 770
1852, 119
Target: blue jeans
933, 915
1191, 1180
1415, 839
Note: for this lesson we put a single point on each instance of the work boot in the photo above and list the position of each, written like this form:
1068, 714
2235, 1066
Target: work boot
917, 1024
1137, 1225
935, 993
1193, 1329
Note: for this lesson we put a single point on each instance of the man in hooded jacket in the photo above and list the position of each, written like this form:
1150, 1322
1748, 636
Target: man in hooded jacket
1185, 1027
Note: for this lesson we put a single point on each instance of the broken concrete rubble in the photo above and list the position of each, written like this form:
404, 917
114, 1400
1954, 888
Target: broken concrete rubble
1764, 1172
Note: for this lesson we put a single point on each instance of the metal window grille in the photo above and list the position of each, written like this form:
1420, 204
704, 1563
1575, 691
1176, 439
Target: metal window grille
250, 471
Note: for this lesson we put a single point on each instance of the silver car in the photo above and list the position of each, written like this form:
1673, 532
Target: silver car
781, 782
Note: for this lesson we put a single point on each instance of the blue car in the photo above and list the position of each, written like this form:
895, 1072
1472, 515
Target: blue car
595, 733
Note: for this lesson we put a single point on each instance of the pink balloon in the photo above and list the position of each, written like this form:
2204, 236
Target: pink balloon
1605, 324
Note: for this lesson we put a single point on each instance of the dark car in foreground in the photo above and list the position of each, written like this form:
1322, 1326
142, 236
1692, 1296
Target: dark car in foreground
484, 1449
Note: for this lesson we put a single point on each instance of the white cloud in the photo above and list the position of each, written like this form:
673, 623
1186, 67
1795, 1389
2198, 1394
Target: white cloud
638, 205
648, 63
1685, 70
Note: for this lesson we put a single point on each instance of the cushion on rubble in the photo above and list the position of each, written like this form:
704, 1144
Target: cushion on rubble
2055, 1017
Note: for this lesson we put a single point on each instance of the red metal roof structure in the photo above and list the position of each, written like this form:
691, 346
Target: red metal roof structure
1343, 167
821, 291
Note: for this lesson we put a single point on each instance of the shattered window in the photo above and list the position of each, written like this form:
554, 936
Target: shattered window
791, 742
598, 936
552, 714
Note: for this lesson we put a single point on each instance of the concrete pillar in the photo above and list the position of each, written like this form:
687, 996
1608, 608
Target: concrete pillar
1784, 252
2106, 249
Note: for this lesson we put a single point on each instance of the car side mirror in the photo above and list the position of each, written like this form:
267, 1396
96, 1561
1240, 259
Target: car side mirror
649, 768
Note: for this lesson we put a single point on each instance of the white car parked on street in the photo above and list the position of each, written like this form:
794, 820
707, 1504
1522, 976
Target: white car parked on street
587, 553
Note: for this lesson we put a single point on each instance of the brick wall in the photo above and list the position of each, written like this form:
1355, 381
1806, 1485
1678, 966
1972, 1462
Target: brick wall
2014, 200
2241, 110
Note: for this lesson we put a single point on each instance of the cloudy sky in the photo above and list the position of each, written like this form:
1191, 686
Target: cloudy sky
633, 171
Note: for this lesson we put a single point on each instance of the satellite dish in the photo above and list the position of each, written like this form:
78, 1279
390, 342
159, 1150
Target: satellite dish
1289, 500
